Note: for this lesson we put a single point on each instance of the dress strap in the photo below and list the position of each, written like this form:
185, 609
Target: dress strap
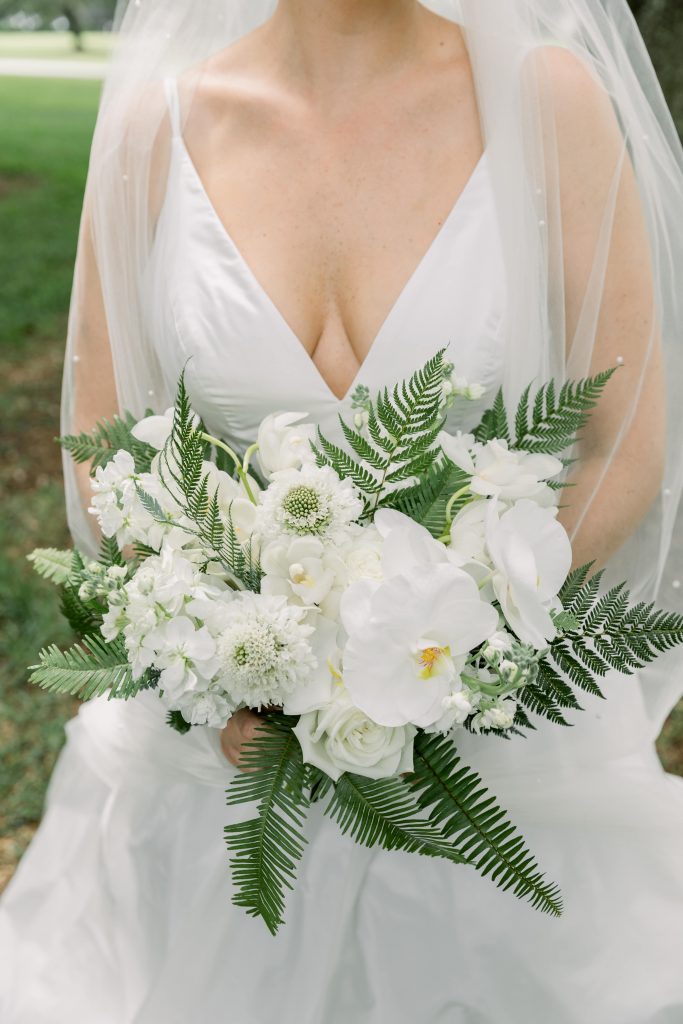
173, 102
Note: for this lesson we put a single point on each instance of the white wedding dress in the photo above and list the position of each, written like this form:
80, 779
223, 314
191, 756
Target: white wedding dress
120, 912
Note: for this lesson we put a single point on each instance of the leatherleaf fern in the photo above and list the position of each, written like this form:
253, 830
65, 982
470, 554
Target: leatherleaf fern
441, 810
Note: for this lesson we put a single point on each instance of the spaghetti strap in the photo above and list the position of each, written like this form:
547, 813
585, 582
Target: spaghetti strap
173, 102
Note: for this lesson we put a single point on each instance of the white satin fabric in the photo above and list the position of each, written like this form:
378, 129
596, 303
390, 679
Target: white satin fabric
120, 911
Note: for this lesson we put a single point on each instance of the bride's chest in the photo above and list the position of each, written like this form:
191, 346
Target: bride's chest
244, 357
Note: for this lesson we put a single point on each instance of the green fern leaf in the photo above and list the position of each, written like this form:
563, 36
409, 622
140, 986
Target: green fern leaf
52, 564
457, 802
267, 848
100, 445
87, 670
383, 812
557, 419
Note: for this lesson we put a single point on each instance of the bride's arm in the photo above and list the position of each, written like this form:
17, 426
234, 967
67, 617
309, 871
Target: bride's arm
606, 253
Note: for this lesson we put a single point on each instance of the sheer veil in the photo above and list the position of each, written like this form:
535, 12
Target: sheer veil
588, 177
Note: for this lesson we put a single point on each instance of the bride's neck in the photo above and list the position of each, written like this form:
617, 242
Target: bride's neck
326, 43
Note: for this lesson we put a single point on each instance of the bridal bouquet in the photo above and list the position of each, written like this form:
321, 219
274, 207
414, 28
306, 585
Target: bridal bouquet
371, 600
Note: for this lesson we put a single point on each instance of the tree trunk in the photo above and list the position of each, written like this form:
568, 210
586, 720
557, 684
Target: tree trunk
74, 25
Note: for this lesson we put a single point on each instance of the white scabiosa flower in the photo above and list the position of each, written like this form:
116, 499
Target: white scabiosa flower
340, 738
264, 650
310, 502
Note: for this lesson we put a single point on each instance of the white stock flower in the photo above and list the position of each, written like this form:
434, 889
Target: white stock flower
204, 707
531, 556
311, 501
185, 655
500, 715
284, 442
340, 738
409, 635
456, 709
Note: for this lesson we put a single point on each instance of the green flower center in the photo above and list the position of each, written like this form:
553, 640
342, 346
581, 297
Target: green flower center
305, 510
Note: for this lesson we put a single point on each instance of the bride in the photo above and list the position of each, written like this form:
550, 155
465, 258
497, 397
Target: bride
292, 199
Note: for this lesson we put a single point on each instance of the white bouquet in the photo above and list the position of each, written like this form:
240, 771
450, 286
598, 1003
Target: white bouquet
369, 600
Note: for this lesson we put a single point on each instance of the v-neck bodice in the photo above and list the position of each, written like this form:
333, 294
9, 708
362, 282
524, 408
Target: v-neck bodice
209, 311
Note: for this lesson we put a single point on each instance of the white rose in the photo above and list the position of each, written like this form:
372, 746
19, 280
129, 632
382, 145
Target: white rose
284, 442
339, 738
531, 556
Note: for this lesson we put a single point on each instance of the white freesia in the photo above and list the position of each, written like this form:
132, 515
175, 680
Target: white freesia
531, 557
284, 442
311, 501
340, 738
409, 636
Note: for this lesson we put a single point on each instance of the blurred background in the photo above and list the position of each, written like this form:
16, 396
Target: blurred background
52, 57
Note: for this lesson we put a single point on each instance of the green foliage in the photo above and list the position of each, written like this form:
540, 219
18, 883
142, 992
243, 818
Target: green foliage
402, 429
84, 617
86, 670
426, 502
52, 564
182, 471
384, 812
176, 721
100, 445
268, 847
552, 423
457, 802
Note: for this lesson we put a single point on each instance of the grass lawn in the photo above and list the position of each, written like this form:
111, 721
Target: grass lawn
45, 128
55, 45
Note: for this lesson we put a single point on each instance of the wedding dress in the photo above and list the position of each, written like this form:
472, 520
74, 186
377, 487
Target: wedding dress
120, 911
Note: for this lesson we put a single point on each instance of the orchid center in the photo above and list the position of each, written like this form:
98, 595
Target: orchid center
433, 660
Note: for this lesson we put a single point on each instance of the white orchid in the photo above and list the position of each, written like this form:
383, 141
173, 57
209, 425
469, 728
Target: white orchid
339, 738
409, 636
497, 471
284, 442
531, 556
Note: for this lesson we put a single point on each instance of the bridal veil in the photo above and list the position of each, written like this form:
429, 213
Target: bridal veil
587, 171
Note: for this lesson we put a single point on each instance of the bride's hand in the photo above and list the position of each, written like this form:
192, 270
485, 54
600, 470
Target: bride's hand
240, 729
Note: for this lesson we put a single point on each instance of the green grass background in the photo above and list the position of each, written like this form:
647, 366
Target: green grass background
45, 131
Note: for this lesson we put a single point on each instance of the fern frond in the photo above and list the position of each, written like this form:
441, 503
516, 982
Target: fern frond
456, 800
86, 670
52, 564
556, 420
267, 848
383, 812
100, 445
